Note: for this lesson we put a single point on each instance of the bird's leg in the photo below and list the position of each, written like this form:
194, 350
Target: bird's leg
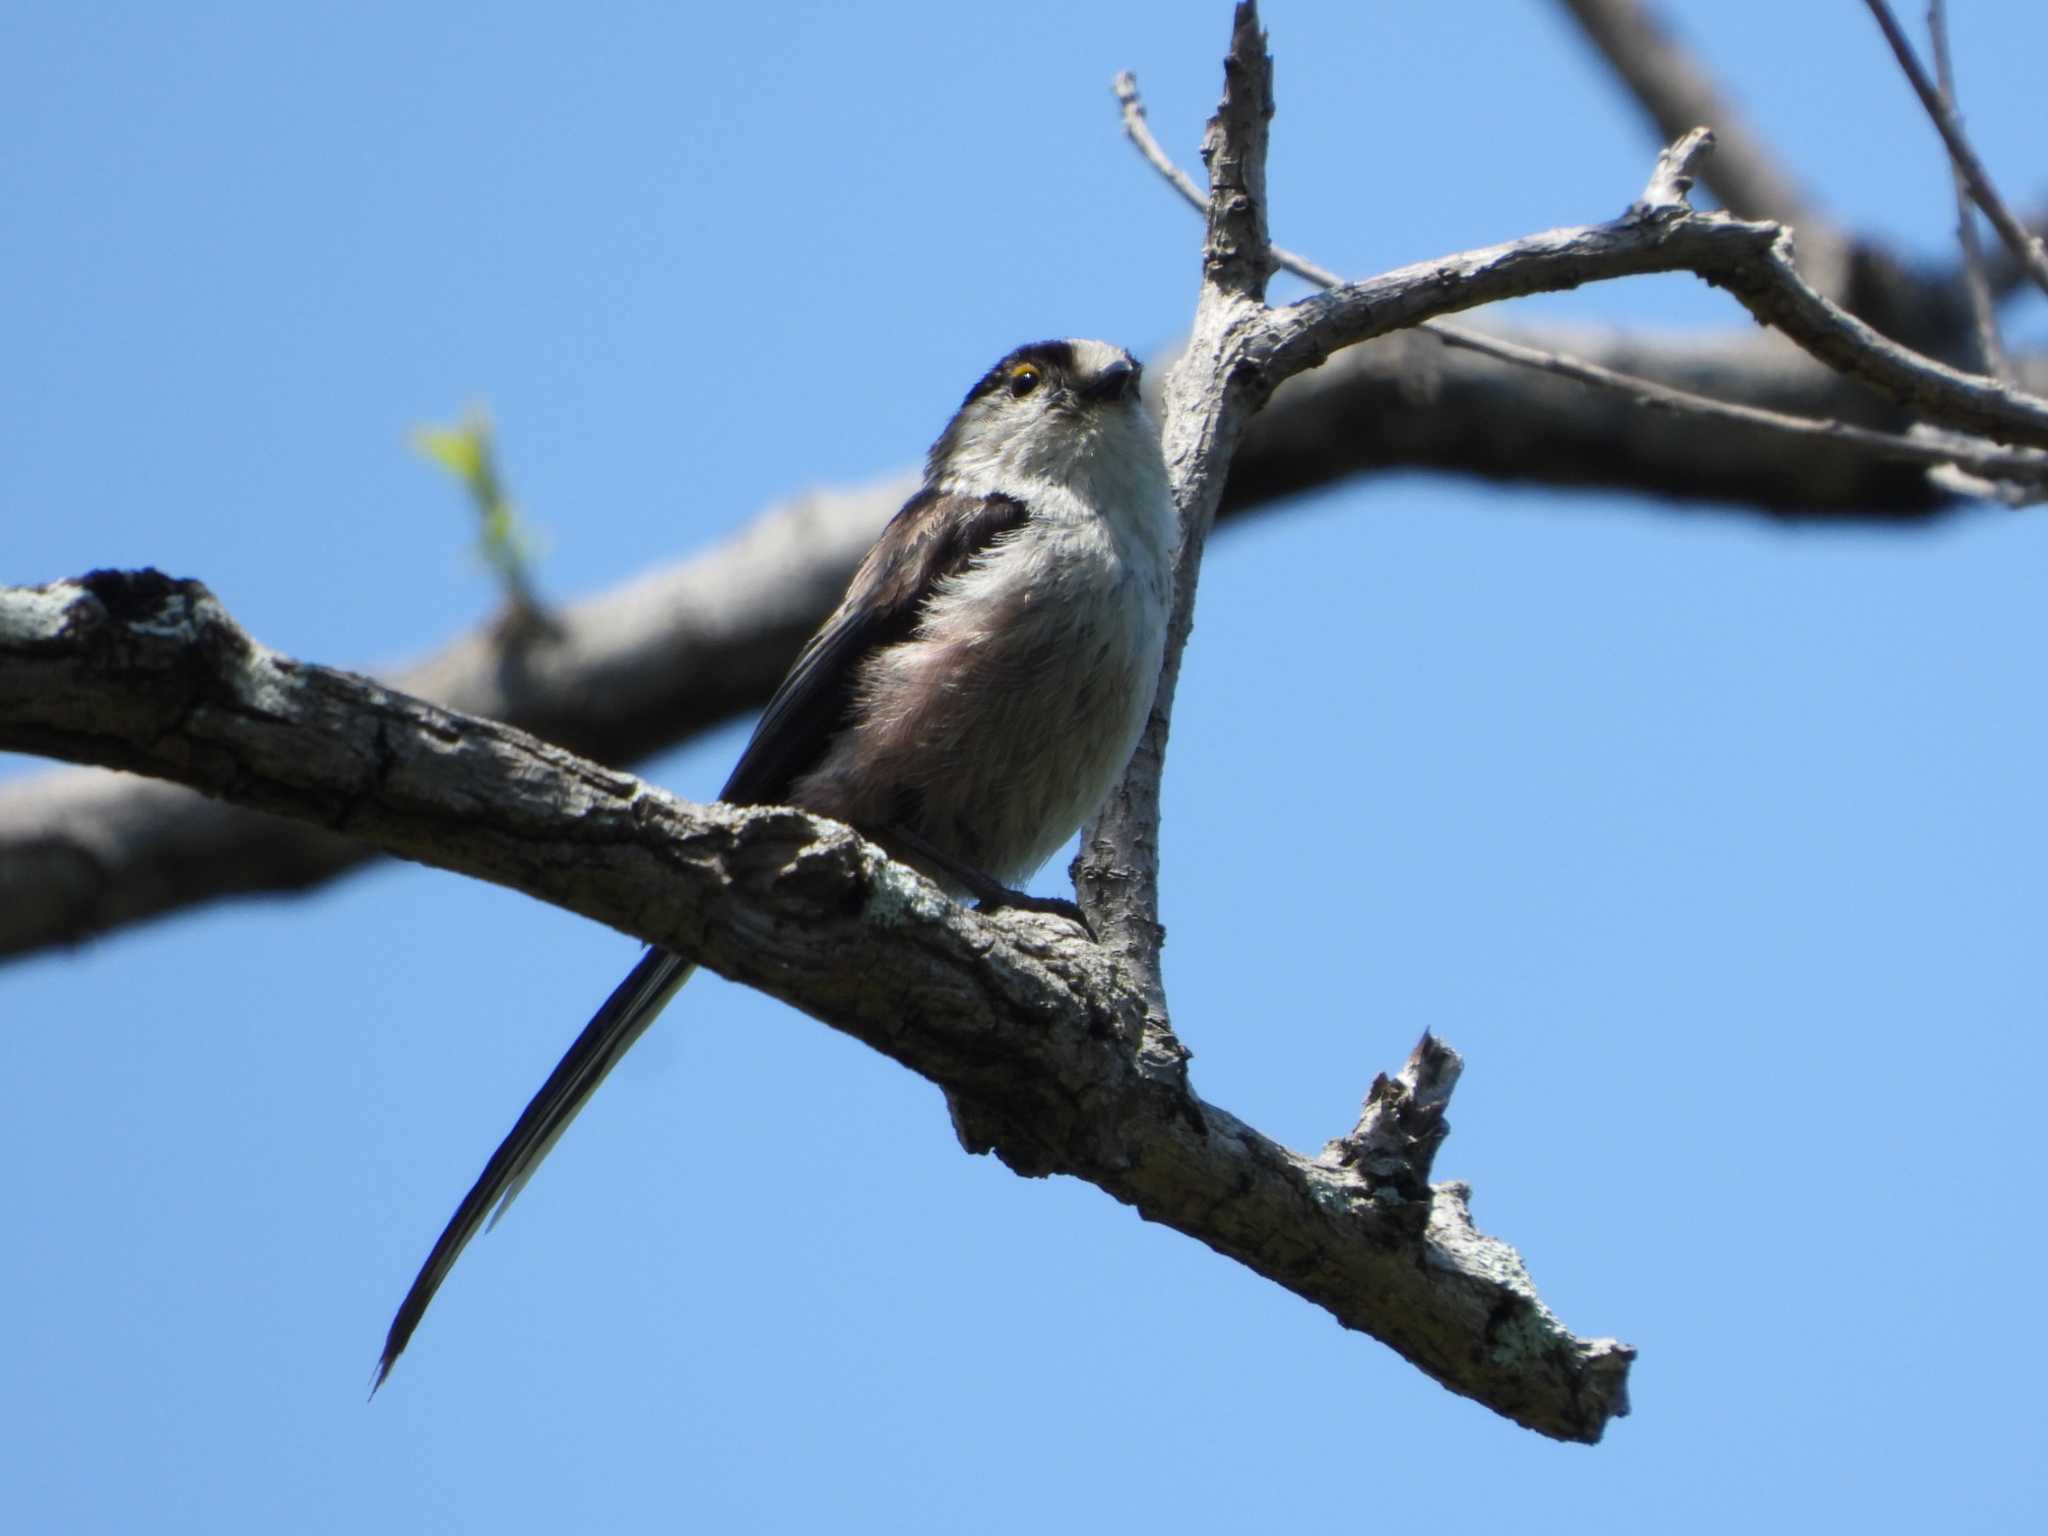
990, 895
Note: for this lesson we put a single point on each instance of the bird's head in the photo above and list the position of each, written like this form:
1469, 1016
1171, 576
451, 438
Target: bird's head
1048, 410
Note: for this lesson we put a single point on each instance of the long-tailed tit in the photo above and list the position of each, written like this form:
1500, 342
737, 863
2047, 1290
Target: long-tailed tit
968, 705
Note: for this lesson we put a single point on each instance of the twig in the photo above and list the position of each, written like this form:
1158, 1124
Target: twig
1976, 287
1668, 185
1677, 168
468, 452
1985, 462
2005, 272
1670, 85
2030, 251
1139, 128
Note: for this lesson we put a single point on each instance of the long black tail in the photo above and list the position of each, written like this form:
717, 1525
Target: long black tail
606, 1038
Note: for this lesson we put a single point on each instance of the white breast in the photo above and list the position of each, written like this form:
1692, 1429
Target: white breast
999, 727
1055, 639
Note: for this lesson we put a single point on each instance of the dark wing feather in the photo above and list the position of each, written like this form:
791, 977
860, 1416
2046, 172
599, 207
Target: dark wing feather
935, 535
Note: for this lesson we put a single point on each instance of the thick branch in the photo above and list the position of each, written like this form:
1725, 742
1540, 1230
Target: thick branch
1017, 1015
623, 674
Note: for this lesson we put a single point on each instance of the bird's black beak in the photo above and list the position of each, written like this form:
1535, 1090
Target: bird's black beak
1119, 381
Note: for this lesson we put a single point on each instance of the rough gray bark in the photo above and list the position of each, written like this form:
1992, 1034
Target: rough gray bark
621, 675
1017, 1016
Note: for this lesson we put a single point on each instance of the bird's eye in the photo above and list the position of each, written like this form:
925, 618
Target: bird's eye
1023, 380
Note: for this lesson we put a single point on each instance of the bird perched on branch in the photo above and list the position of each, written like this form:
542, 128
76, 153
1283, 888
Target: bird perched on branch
968, 704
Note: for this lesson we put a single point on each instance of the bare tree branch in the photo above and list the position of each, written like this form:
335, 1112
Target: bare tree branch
1117, 871
1983, 315
1668, 185
1752, 261
1677, 94
2027, 249
629, 671
1015, 1015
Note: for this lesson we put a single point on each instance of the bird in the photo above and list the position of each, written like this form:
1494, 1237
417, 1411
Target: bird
969, 703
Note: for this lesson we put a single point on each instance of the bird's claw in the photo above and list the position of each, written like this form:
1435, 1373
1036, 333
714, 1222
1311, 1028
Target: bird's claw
1056, 906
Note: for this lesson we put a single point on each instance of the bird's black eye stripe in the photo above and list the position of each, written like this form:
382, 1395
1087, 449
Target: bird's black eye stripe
1023, 379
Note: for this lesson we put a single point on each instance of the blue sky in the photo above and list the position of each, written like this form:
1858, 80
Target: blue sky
1716, 847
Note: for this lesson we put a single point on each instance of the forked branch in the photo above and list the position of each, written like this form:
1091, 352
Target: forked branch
1669, 183
1017, 1015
